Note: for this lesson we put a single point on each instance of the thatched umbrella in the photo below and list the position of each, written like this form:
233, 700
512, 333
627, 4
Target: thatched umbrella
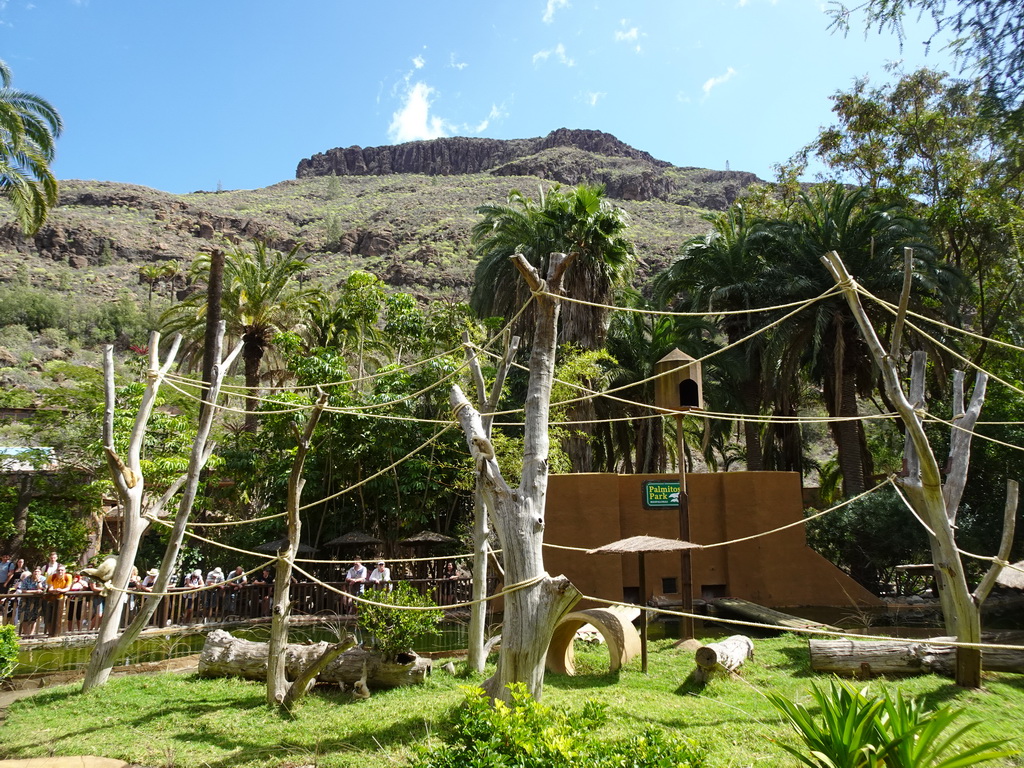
273, 547
1012, 576
641, 545
353, 539
426, 540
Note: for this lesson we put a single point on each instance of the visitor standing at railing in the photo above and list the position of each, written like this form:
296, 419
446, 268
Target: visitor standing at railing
32, 586
57, 587
6, 572
52, 564
17, 569
355, 579
380, 577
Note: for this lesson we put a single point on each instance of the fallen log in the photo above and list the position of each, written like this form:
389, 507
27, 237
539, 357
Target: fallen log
224, 655
871, 658
723, 657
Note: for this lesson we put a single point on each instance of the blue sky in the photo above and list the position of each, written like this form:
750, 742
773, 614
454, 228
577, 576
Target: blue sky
183, 95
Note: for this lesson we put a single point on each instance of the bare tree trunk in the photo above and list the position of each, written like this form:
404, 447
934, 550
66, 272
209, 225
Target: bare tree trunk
477, 657
279, 691
537, 601
130, 484
923, 484
201, 452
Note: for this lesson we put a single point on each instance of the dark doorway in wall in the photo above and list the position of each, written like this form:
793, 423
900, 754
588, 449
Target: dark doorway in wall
713, 591
631, 595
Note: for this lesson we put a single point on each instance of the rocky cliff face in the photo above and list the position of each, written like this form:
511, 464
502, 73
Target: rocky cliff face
565, 155
459, 154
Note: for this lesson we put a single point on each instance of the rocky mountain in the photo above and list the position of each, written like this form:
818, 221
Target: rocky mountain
403, 212
566, 156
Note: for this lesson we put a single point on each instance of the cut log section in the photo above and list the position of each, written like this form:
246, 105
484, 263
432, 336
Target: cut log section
615, 626
871, 658
227, 656
723, 657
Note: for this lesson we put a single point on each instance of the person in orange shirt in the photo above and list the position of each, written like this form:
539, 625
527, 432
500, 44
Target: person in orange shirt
57, 586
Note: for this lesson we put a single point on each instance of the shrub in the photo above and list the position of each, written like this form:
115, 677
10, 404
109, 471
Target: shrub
527, 734
8, 650
396, 629
860, 730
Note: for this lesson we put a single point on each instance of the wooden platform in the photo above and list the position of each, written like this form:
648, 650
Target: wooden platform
744, 609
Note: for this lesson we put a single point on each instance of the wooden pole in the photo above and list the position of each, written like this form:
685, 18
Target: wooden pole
643, 615
685, 560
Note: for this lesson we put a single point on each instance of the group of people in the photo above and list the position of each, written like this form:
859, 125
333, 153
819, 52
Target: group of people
357, 578
40, 593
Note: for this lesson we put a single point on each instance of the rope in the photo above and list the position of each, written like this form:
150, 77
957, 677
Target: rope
388, 468
506, 591
726, 543
671, 313
804, 630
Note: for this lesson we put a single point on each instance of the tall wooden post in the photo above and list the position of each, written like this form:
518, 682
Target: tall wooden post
685, 560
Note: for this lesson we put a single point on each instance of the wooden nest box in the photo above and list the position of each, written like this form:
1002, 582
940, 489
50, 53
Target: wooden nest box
678, 386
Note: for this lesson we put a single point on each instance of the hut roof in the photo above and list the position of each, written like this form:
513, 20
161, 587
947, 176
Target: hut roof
426, 538
637, 544
352, 539
276, 546
1012, 576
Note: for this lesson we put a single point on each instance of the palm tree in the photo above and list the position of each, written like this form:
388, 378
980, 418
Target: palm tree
579, 221
824, 340
261, 297
725, 270
350, 320
150, 273
29, 126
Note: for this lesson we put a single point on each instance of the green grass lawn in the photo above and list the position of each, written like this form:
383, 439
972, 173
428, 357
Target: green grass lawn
185, 721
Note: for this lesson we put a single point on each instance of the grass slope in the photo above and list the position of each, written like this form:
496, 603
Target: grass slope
184, 721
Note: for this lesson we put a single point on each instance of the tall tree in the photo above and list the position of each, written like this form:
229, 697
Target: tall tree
579, 221
927, 138
261, 297
824, 339
29, 127
727, 270
534, 607
987, 37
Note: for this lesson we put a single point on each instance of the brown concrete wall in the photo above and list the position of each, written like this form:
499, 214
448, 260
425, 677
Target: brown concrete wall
777, 570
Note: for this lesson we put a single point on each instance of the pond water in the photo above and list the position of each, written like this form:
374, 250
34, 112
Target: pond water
453, 636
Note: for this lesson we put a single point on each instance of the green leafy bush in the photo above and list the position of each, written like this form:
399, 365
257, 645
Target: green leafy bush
8, 650
396, 629
861, 730
527, 734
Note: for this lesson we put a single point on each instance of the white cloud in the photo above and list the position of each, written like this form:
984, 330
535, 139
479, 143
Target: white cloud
628, 34
590, 98
495, 113
558, 52
552, 6
418, 62
712, 82
413, 120
454, 63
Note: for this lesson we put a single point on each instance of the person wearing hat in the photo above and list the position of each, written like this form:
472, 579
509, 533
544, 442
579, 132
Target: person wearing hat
380, 577
149, 580
193, 582
214, 578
